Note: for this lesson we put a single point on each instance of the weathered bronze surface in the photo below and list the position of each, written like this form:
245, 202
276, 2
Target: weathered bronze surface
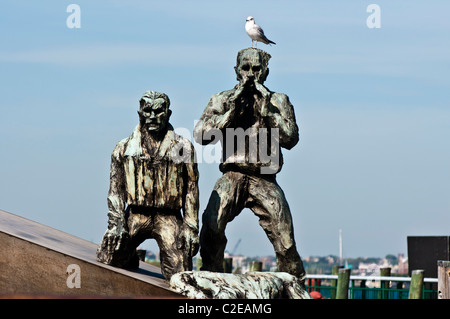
251, 285
154, 178
251, 122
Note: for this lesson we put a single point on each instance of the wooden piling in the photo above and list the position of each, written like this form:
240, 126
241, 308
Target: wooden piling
416, 286
334, 271
227, 265
198, 263
343, 283
384, 284
443, 279
256, 266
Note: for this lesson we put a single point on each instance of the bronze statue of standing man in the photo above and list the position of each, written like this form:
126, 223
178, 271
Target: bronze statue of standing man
253, 124
154, 178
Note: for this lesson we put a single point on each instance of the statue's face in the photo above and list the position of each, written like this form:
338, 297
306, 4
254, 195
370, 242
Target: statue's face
251, 68
154, 114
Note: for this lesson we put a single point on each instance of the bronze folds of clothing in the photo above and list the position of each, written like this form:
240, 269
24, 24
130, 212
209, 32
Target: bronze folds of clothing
153, 193
232, 193
248, 114
163, 225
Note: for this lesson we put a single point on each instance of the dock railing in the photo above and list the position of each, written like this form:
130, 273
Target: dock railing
343, 286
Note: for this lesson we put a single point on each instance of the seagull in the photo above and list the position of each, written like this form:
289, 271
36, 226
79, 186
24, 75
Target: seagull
255, 32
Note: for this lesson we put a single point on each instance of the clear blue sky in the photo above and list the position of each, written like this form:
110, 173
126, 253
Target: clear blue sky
372, 106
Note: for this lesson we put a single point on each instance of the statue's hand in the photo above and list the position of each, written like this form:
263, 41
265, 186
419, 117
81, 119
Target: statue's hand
115, 238
265, 94
188, 241
237, 93
235, 102
116, 235
263, 90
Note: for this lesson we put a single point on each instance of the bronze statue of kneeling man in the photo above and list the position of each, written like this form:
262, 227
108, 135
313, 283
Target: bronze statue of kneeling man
154, 179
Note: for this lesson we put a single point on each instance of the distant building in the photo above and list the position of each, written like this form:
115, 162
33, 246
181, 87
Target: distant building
368, 269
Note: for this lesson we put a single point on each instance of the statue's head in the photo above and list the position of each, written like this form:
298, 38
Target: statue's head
154, 112
252, 64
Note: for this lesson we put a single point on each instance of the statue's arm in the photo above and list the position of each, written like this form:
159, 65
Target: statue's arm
116, 236
191, 205
116, 195
190, 227
280, 114
218, 115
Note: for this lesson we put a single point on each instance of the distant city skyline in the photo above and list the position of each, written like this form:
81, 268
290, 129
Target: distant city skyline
371, 105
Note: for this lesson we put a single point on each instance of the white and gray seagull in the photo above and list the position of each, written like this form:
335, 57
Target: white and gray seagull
255, 32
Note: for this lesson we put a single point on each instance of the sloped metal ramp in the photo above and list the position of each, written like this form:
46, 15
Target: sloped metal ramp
40, 261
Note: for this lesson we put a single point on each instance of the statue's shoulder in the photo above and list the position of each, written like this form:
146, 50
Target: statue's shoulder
122, 145
119, 148
223, 95
279, 96
280, 99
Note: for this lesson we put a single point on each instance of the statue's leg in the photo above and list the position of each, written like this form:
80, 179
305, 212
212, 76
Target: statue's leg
166, 230
139, 229
269, 204
226, 201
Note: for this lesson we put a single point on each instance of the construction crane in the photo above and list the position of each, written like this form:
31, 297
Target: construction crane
235, 247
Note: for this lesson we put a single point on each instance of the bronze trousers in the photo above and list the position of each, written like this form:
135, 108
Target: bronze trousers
164, 227
235, 191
